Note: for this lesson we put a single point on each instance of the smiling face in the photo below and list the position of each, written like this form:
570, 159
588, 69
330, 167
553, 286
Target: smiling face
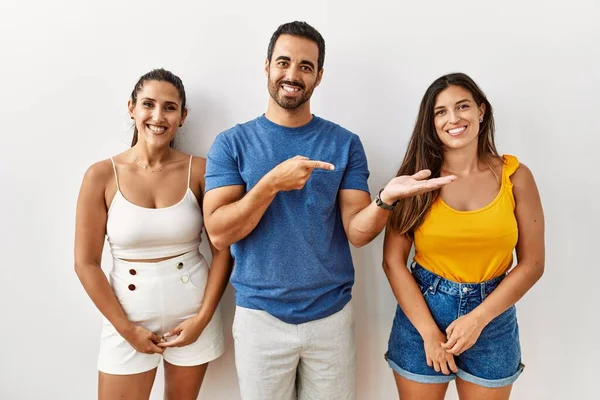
456, 117
292, 71
157, 112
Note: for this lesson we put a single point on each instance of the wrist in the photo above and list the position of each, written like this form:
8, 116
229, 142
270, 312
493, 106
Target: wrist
482, 315
203, 317
431, 333
386, 199
382, 200
269, 185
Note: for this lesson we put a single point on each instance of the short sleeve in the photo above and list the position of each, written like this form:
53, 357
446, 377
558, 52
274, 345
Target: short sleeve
356, 174
221, 165
511, 164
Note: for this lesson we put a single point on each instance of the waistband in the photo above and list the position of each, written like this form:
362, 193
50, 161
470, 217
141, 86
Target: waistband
173, 265
435, 282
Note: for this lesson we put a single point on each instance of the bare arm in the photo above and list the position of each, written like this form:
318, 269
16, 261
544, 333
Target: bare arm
363, 219
218, 277
90, 229
529, 269
408, 294
221, 264
231, 214
530, 248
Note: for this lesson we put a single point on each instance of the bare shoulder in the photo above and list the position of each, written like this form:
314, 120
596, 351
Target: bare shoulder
523, 177
99, 173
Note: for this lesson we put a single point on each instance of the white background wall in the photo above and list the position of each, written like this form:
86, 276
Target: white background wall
67, 68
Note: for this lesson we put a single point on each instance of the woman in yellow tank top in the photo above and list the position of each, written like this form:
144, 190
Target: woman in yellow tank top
456, 317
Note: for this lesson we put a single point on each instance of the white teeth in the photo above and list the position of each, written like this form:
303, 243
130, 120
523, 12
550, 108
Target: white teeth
157, 129
457, 130
289, 89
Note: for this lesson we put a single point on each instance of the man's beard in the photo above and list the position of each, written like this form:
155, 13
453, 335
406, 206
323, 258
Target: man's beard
289, 103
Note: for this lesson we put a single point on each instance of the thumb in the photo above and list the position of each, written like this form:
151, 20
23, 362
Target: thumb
299, 158
422, 174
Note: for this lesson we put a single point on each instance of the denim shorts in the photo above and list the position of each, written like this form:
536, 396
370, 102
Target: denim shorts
493, 361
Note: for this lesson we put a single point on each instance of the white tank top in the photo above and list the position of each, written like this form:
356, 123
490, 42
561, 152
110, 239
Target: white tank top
136, 232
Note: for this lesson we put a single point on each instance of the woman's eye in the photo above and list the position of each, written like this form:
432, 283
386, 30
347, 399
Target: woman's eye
147, 104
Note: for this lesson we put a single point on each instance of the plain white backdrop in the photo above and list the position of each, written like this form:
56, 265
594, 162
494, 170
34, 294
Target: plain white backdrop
68, 67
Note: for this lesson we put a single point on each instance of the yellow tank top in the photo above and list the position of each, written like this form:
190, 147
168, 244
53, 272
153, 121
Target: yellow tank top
470, 246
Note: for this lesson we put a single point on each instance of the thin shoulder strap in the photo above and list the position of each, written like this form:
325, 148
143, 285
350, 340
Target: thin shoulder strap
190, 172
115, 170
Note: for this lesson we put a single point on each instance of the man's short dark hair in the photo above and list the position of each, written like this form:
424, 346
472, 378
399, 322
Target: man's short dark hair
303, 30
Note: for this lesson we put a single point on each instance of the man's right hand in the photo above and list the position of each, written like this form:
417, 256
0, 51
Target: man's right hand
292, 174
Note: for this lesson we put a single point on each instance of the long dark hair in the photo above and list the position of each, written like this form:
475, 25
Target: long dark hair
426, 150
161, 75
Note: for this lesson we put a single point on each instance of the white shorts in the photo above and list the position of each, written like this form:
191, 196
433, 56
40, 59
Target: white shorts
276, 360
159, 296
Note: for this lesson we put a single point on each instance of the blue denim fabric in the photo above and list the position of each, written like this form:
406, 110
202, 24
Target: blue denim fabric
493, 361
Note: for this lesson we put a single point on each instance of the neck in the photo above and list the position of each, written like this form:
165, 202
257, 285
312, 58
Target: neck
151, 155
289, 118
461, 162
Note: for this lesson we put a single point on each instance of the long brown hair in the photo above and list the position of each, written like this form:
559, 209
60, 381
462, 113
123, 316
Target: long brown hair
426, 150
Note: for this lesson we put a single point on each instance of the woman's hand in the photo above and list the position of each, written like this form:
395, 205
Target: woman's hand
463, 333
187, 332
437, 356
142, 340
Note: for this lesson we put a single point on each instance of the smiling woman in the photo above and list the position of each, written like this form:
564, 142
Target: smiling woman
456, 317
147, 202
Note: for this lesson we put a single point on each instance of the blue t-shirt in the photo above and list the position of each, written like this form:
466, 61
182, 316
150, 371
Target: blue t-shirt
296, 264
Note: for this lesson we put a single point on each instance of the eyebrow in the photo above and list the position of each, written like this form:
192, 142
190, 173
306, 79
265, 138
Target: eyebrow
286, 58
458, 102
151, 99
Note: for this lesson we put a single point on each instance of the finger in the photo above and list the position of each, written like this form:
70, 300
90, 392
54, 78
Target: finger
176, 331
155, 349
422, 174
444, 367
173, 343
450, 343
436, 366
313, 164
155, 338
450, 329
456, 349
299, 158
452, 364
429, 362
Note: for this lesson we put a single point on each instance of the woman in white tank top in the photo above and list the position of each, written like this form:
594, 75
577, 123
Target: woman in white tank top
161, 298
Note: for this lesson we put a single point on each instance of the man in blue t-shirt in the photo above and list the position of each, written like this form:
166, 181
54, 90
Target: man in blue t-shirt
287, 191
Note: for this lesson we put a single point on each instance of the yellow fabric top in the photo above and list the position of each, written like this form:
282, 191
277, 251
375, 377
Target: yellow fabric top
470, 246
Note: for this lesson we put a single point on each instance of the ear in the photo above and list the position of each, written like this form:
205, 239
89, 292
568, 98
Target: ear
481, 110
267, 65
319, 77
130, 108
184, 115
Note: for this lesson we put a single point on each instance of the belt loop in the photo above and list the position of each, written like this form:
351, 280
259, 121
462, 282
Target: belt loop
435, 284
482, 286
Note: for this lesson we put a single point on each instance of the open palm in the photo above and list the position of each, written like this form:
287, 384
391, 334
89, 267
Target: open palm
411, 185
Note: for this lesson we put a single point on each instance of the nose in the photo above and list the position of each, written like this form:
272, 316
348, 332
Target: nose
292, 73
157, 114
453, 117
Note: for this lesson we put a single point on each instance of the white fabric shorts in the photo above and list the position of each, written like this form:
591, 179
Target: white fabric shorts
159, 296
313, 360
